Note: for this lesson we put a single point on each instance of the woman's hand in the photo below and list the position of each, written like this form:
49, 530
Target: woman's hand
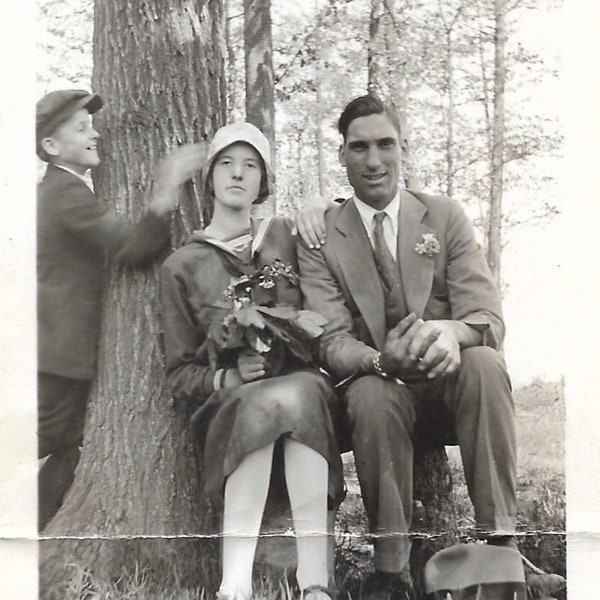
251, 365
310, 223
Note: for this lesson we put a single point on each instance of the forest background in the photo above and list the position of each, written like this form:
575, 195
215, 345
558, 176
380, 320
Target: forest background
435, 56
533, 270
444, 86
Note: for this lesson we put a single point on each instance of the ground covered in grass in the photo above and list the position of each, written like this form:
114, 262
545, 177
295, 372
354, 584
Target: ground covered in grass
540, 408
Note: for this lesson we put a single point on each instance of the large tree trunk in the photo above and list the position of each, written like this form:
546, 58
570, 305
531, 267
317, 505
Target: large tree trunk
494, 247
232, 87
260, 86
374, 49
159, 66
449, 76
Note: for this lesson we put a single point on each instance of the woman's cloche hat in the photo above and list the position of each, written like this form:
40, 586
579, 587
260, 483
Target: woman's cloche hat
235, 133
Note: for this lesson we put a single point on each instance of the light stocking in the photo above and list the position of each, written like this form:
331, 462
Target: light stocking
306, 476
245, 497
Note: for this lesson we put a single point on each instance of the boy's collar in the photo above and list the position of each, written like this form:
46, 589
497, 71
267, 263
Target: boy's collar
69, 170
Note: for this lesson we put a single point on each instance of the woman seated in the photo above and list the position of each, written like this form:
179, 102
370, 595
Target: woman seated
247, 405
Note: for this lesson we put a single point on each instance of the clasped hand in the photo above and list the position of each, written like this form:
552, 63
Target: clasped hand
421, 347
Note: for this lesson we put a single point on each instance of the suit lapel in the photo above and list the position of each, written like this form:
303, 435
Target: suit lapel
355, 257
416, 269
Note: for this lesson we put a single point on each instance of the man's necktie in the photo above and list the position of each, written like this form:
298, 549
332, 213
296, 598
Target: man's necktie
386, 265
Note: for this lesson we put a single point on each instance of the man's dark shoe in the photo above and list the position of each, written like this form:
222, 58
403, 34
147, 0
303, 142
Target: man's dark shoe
389, 586
503, 541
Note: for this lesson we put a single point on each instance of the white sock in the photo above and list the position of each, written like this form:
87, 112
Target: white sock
306, 476
246, 492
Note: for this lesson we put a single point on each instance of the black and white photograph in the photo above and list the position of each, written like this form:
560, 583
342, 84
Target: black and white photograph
300, 299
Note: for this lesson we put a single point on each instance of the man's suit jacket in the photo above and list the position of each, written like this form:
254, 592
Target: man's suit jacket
340, 279
74, 233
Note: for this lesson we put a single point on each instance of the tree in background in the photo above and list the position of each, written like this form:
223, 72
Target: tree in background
64, 39
436, 64
160, 67
319, 76
494, 233
313, 59
260, 91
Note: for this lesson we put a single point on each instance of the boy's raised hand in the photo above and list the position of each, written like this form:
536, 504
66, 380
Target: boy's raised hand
172, 171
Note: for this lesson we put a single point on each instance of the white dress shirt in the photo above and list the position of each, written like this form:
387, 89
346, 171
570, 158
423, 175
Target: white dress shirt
390, 221
83, 178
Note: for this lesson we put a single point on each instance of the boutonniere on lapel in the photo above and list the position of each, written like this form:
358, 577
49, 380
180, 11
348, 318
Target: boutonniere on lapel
429, 245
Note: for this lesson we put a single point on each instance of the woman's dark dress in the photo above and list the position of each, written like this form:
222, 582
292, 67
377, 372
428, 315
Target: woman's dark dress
233, 422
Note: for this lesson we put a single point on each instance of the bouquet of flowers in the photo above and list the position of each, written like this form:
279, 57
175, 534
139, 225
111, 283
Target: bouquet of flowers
258, 317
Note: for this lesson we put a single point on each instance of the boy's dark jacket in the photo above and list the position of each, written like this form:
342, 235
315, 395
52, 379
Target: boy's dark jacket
74, 233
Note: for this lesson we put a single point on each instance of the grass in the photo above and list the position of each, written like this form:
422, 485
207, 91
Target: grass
541, 490
137, 585
145, 584
540, 408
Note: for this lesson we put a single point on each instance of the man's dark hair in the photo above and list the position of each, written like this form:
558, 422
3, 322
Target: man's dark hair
364, 106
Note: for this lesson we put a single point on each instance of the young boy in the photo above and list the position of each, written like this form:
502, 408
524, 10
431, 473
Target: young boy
74, 234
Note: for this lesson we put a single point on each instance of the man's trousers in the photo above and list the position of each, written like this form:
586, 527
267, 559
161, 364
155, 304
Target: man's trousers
382, 416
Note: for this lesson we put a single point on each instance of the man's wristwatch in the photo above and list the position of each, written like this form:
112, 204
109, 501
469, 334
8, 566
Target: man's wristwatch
377, 366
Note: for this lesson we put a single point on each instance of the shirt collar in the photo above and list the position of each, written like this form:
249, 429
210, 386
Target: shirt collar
367, 212
82, 177
255, 237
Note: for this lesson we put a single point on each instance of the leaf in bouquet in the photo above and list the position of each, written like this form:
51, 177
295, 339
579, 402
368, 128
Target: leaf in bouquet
235, 337
258, 342
311, 322
248, 316
293, 340
217, 333
264, 296
287, 313
226, 333
223, 304
238, 290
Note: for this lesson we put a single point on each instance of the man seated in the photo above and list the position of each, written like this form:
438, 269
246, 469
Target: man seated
414, 322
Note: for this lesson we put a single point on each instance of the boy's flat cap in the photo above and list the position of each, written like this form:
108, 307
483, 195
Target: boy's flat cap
58, 106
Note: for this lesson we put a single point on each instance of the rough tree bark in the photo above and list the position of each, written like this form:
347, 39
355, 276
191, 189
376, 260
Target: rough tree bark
260, 78
374, 50
231, 61
449, 71
321, 171
159, 66
494, 234
383, 78
484, 79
